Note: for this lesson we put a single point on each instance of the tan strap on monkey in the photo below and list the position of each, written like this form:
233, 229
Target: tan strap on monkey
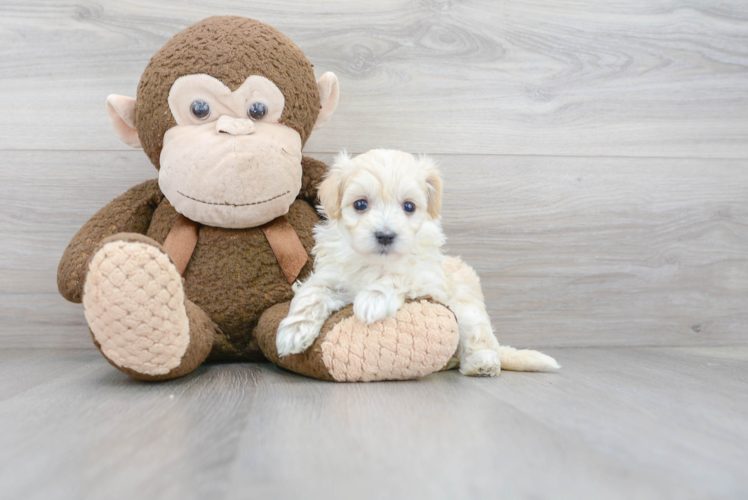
286, 246
181, 241
182, 238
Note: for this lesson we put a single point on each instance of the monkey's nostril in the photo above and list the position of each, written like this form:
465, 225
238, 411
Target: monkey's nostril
385, 238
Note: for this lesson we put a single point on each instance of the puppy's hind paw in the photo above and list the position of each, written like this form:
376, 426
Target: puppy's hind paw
294, 337
483, 363
371, 306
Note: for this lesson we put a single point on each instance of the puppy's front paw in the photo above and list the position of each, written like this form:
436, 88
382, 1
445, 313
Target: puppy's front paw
483, 363
371, 306
295, 336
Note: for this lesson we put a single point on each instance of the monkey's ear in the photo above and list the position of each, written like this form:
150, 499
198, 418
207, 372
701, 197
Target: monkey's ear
329, 93
121, 110
330, 190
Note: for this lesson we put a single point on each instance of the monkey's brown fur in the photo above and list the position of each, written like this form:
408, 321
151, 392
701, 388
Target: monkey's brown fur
233, 275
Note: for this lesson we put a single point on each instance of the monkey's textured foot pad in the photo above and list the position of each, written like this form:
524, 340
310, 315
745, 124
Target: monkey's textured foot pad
134, 304
419, 340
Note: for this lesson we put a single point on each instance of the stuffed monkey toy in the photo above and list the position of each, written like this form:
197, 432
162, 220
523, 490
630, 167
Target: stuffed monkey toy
198, 265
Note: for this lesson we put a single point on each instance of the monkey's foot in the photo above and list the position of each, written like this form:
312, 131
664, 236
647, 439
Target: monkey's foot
419, 340
135, 306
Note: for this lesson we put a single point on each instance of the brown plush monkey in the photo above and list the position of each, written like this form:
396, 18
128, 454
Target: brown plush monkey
198, 265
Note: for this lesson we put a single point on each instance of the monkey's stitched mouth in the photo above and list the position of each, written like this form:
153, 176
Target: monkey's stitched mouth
225, 203
284, 150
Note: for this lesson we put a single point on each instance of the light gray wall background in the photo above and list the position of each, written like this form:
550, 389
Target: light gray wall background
595, 153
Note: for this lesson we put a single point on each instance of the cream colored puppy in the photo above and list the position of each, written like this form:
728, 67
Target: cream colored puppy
380, 245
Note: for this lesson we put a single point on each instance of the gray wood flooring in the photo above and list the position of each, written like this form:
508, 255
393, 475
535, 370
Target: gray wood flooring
596, 165
627, 423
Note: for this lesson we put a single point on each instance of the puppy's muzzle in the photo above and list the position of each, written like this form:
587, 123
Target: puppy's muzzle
385, 239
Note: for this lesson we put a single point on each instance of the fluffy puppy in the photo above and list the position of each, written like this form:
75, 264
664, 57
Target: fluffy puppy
380, 245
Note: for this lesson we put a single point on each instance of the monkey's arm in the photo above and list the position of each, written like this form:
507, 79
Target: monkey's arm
129, 213
313, 171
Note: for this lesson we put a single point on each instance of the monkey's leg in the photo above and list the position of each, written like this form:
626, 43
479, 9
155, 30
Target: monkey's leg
138, 314
419, 340
129, 213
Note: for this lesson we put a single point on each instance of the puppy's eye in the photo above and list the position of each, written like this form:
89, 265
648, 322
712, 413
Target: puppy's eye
409, 207
360, 205
200, 109
257, 110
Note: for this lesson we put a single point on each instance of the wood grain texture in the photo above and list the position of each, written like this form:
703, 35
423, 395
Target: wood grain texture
595, 163
550, 77
660, 423
571, 251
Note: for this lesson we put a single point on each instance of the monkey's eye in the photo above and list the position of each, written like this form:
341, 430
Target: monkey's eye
257, 110
360, 205
200, 109
409, 207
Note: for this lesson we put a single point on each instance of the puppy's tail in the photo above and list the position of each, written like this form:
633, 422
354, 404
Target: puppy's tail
526, 360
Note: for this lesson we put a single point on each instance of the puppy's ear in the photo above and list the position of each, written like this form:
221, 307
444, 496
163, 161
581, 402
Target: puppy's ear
433, 186
331, 189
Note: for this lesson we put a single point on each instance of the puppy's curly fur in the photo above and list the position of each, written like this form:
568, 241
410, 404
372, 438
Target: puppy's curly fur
380, 245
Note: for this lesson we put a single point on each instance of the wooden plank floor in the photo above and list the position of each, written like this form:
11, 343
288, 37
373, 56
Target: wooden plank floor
595, 156
613, 423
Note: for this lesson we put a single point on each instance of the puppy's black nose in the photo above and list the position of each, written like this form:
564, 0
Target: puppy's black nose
385, 238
